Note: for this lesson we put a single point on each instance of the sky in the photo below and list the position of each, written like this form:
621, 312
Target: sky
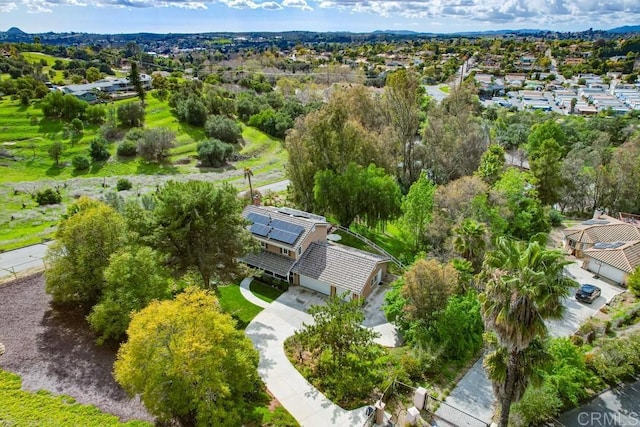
193, 16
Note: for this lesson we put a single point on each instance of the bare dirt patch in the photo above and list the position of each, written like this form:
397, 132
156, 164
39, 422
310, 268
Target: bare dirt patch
54, 349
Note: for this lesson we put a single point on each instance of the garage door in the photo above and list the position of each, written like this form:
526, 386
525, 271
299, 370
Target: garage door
605, 270
315, 285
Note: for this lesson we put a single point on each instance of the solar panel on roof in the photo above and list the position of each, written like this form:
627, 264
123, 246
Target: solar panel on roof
608, 245
258, 219
287, 226
596, 222
260, 229
283, 236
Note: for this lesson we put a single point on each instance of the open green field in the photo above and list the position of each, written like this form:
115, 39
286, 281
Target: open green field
25, 135
25, 408
36, 57
25, 166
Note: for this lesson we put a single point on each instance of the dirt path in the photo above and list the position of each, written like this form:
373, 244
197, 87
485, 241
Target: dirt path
55, 350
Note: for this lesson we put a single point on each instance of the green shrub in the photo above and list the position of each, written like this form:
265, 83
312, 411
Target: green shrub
555, 218
81, 163
223, 128
77, 125
617, 359
123, 184
633, 281
214, 153
276, 283
98, 150
95, 114
127, 148
537, 406
48, 196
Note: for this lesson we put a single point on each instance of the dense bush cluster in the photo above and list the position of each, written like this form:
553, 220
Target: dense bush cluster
48, 196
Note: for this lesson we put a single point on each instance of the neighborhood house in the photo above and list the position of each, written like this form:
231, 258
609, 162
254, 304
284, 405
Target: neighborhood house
294, 248
610, 246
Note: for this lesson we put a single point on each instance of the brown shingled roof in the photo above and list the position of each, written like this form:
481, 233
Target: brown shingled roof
269, 261
625, 258
339, 265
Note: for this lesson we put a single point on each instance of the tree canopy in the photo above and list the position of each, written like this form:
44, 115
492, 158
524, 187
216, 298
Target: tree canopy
348, 128
84, 241
188, 362
366, 193
524, 287
200, 226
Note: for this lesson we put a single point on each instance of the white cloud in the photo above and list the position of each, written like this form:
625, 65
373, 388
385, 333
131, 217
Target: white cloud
7, 6
542, 13
608, 12
302, 4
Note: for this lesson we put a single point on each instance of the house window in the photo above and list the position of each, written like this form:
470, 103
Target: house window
299, 250
284, 251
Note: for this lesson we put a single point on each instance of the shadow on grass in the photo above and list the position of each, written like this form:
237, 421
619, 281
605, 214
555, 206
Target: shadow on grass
197, 134
145, 168
96, 167
50, 127
54, 170
209, 169
75, 172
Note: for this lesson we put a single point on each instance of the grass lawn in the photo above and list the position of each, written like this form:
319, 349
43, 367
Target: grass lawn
232, 302
390, 240
349, 240
36, 57
264, 292
42, 408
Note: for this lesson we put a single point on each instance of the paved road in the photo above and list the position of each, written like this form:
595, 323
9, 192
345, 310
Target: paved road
21, 260
618, 407
435, 92
275, 187
474, 394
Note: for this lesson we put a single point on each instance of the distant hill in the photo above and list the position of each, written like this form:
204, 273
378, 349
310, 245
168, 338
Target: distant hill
625, 29
400, 32
16, 31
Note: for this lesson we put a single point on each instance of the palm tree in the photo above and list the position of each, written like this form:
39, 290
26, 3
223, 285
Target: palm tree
470, 241
525, 287
248, 173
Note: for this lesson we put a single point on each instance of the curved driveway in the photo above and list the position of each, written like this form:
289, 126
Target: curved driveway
267, 331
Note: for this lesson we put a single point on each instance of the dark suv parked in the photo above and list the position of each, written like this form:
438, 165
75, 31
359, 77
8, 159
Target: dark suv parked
587, 293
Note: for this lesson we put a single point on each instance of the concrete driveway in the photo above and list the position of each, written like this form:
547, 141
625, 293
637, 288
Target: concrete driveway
267, 331
474, 394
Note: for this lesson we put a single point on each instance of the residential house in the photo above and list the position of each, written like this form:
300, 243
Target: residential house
613, 260
601, 229
294, 248
105, 85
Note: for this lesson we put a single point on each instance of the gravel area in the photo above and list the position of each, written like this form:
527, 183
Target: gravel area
55, 350
93, 186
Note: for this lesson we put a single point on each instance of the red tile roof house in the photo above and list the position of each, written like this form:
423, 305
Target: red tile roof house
610, 247
294, 248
